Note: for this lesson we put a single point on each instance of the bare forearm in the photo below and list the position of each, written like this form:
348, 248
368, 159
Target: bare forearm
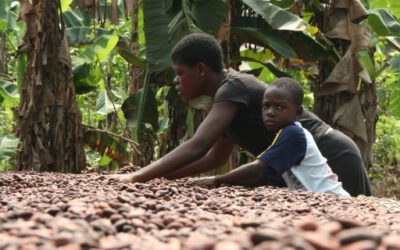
217, 156
248, 174
198, 167
171, 162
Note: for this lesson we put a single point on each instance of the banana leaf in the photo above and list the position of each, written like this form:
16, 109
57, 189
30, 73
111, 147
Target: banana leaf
9, 95
77, 26
8, 146
383, 22
8, 16
141, 108
392, 5
268, 40
104, 105
275, 16
305, 46
206, 20
86, 78
158, 44
395, 101
100, 49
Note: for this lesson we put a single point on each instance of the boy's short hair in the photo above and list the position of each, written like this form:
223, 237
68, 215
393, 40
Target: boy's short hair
198, 48
291, 85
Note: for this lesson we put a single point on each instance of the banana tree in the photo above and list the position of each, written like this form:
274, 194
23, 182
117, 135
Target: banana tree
49, 124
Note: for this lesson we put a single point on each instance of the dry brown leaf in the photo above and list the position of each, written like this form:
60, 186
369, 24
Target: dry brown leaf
350, 116
343, 76
355, 8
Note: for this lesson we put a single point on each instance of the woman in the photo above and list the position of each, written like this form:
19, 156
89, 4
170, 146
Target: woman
235, 119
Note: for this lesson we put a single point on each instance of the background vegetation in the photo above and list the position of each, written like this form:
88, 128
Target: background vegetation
123, 80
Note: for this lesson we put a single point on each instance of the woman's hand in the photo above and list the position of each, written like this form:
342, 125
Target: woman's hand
204, 181
124, 178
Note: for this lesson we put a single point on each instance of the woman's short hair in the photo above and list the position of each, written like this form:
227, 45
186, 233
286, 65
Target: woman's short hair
198, 48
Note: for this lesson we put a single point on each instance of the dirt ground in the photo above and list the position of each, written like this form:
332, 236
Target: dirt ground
65, 211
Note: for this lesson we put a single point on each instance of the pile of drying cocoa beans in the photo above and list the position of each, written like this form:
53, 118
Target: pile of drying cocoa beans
90, 211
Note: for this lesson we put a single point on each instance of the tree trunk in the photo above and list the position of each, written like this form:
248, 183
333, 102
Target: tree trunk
49, 123
353, 110
3, 53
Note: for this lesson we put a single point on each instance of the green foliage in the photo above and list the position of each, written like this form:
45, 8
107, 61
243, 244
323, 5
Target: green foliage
387, 146
156, 29
393, 5
8, 146
277, 17
77, 27
383, 22
9, 96
271, 40
385, 174
104, 105
142, 104
209, 21
365, 61
86, 77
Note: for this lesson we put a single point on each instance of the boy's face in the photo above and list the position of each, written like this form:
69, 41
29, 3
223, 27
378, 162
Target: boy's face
188, 81
279, 108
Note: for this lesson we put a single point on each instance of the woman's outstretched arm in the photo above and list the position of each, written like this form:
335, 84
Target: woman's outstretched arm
210, 130
216, 157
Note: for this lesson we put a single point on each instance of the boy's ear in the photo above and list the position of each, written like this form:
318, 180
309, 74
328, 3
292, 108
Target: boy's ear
299, 111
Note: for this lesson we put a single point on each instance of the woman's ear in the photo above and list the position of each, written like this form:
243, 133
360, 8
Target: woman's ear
201, 68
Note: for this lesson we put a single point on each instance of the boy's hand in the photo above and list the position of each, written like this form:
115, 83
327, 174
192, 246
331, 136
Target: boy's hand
204, 181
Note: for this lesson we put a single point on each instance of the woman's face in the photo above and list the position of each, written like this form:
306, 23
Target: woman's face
188, 81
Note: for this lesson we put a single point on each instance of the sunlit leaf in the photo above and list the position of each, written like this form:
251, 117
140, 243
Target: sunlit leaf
392, 5
86, 77
8, 146
100, 49
365, 61
130, 57
9, 95
395, 101
65, 5
77, 26
305, 46
394, 41
8, 16
271, 67
275, 16
105, 160
270, 40
104, 105
106, 144
383, 22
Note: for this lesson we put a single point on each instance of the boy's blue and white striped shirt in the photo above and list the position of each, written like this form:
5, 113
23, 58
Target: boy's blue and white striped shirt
295, 157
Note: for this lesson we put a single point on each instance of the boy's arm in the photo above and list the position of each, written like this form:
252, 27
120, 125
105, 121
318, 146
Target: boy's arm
249, 174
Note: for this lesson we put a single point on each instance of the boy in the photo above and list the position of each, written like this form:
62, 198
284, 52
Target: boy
293, 159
